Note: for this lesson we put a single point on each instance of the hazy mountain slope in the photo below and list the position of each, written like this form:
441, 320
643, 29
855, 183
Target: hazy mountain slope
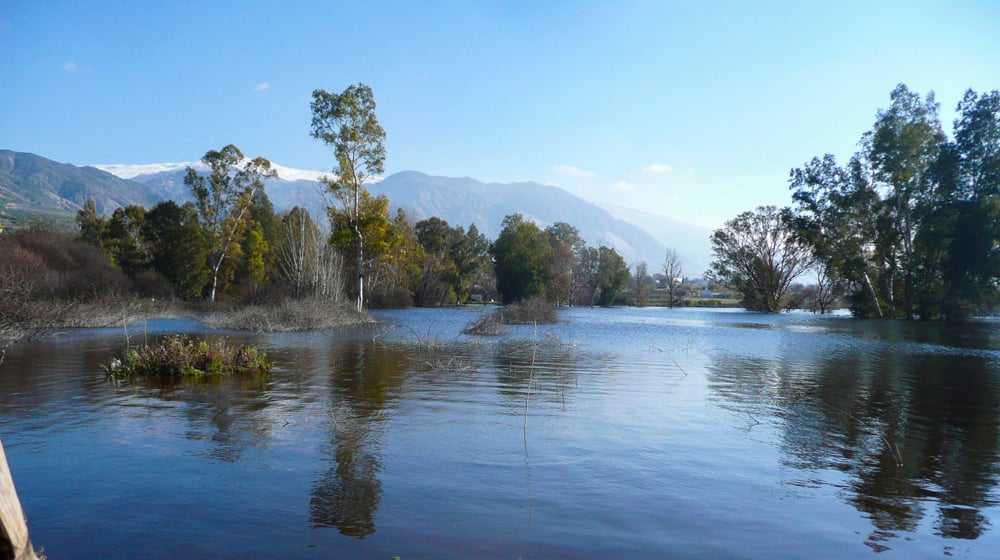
462, 201
691, 241
33, 183
168, 183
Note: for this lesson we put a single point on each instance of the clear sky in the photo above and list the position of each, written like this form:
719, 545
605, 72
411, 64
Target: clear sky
695, 110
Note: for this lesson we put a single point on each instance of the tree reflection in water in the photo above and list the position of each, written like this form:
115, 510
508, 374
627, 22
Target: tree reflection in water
850, 410
365, 377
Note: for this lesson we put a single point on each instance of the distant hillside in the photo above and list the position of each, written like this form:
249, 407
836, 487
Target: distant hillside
462, 201
691, 241
31, 184
459, 201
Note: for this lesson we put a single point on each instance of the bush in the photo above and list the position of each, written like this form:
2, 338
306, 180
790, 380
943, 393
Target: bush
72, 269
529, 312
179, 356
152, 284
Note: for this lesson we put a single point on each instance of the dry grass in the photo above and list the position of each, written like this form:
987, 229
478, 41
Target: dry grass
113, 312
530, 312
289, 316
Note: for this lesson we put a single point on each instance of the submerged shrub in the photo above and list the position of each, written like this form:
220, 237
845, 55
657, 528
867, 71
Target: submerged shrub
180, 356
289, 316
533, 311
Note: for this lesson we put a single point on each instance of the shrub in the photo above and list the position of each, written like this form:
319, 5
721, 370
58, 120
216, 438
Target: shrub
528, 312
531, 311
179, 356
293, 315
72, 269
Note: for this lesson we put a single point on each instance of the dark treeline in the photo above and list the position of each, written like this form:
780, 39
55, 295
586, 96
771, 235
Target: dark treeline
166, 251
909, 227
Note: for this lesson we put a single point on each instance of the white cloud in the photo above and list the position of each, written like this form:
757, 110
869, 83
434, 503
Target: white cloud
657, 168
70, 66
263, 86
572, 170
623, 186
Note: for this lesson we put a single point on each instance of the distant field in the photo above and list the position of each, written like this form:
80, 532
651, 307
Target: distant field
711, 302
16, 218
659, 299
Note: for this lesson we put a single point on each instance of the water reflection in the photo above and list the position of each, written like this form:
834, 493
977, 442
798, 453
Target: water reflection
916, 434
839, 434
545, 367
364, 378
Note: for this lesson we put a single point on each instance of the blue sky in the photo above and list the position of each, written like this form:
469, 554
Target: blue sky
694, 110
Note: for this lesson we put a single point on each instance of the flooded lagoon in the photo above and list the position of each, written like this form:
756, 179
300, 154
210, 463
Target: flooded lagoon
617, 433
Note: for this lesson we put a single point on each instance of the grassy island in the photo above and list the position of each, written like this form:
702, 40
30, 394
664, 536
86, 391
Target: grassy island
180, 356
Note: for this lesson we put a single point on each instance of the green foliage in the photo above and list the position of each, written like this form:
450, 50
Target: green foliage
454, 262
347, 122
179, 248
91, 224
909, 228
256, 249
180, 356
522, 259
223, 201
612, 276
123, 241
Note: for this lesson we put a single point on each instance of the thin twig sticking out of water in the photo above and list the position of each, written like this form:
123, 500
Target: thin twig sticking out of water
672, 359
524, 430
527, 395
893, 448
128, 339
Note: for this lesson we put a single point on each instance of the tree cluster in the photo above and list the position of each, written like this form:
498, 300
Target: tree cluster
758, 254
556, 264
910, 227
230, 243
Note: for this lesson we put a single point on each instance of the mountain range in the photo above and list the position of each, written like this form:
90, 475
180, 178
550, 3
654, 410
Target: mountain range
32, 183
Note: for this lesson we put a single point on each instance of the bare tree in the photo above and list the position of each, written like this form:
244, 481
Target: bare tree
759, 254
308, 264
827, 291
22, 316
675, 274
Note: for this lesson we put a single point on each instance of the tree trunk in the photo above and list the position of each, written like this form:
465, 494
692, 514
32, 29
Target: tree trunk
871, 290
14, 542
361, 248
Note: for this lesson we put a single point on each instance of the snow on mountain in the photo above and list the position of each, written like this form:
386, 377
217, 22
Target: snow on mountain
129, 171
133, 171
637, 235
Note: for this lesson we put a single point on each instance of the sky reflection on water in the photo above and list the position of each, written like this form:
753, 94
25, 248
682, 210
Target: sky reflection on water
615, 433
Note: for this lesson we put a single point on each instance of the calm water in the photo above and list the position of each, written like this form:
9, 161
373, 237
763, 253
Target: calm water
619, 433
